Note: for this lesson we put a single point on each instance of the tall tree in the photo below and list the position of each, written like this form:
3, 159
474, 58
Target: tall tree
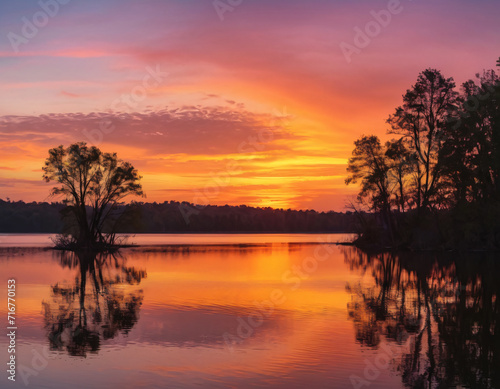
471, 153
93, 183
421, 121
401, 163
369, 165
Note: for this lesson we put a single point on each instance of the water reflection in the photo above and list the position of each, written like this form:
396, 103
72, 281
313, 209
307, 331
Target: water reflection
96, 306
441, 310
199, 320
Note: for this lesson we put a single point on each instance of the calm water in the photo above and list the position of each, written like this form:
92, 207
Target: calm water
45, 240
249, 311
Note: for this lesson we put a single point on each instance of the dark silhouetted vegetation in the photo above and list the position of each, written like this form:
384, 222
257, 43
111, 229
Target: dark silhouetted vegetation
437, 313
437, 184
20, 217
93, 184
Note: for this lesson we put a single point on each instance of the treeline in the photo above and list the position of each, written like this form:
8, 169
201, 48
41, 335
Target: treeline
173, 216
437, 183
21, 217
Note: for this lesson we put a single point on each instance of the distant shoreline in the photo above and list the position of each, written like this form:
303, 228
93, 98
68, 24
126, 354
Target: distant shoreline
199, 233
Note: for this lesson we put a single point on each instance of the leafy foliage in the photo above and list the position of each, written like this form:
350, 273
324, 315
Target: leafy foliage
444, 169
421, 122
93, 184
369, 164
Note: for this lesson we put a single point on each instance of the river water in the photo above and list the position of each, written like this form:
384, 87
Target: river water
248, 311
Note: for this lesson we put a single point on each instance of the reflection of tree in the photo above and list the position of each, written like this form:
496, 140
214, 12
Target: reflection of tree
443, 311
97, 305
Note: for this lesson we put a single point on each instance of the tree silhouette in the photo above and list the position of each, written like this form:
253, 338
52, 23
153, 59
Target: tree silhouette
472, 148
369, 164
438, 184
93, 184
96, 306
421, 122
401, 164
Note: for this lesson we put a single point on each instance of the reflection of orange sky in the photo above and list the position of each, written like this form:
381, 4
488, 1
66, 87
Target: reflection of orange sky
190, 298
221, 275
240, 280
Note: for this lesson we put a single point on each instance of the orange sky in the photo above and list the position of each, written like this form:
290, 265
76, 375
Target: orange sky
183, 94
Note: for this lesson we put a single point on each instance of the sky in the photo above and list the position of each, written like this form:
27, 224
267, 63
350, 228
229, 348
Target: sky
223, 102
